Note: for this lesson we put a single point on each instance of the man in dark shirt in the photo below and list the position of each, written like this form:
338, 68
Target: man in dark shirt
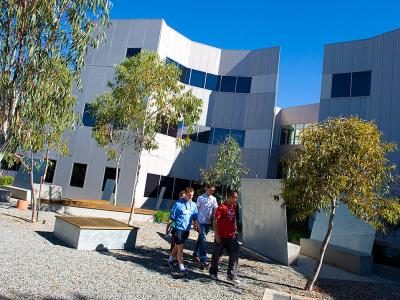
225, 230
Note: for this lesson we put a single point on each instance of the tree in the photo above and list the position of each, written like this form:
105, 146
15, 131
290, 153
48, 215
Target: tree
144, 95
33, 33
43, 122
228, 167
341, 161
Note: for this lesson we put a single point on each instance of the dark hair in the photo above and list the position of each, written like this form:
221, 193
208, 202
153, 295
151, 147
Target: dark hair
230, 193
189, 190
208, 186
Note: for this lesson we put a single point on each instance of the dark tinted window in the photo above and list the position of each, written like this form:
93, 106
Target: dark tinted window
151, 188
51, 168
243, 85
204, 134
170, 61
6, 167
109, 173
132, 51
228, 84
197, 78
341, 85
361, 84
168, 182
198, 188
219, 135
283, 137
185, 75
213, 82
87, 118
238, 135
172, 130
180, 184
78, 175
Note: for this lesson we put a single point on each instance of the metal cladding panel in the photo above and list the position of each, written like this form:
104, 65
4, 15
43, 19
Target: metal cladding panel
152, 36
328, 59
395, 109
347, 61
136, 34
376, 79
118, 42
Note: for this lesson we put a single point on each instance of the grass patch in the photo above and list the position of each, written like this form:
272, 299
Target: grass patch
6, 180
295, 234
161, 216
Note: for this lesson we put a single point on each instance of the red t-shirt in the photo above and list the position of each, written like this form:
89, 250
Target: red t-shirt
225, 215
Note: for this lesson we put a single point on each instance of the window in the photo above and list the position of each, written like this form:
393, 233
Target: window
51, 168
78, 175
228, 84
185, 75
361, 84
238, 135
172, 130
151, 188
197, 78
213, 82
290, 134
132, 51
109, 173
170, 61
168, 182
204, 134
219, 135
341, 85
180, 184
87, 119
6, 167
243, 85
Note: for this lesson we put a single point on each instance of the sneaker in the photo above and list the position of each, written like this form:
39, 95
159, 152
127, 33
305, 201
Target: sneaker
234, 280
213, 276
204, 266
170, 265
183, 273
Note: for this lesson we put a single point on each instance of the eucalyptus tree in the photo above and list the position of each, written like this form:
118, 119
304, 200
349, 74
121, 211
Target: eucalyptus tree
227, 168
43, 123
341, 160
33, 33
144, 95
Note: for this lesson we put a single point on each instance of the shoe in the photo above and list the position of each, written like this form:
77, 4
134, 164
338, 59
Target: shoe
183, 273
196, 259
234, 280
213, 276
204, 266
170, 265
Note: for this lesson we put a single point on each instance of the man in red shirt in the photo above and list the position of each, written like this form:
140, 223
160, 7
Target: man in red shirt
225, 231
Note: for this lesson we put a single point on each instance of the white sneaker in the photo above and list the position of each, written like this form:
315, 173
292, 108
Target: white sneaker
234, 280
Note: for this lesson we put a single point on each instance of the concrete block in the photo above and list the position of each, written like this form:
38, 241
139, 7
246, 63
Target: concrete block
18, 193
346, 259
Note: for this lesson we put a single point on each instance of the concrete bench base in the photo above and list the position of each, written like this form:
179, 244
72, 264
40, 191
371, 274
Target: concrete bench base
5, 196
346, 259
94, 235
18, 193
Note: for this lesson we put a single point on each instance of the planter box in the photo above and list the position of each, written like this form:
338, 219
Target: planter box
88, 233
5, 195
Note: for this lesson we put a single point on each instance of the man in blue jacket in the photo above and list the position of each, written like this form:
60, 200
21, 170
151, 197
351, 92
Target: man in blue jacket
183, 213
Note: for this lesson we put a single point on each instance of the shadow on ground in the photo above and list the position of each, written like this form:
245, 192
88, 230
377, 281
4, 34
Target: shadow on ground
49, 236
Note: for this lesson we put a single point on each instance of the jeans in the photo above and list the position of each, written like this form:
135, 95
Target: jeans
200, 248
232, 247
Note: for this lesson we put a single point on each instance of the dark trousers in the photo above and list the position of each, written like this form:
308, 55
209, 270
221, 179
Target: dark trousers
232, 247
200, 248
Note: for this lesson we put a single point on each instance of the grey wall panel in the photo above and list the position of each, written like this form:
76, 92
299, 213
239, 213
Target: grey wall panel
152, 35
347, 61
395, 109
119, 42
337, 59
136, 34
328, 59
324, 109
359, 49
101, 54
376, 79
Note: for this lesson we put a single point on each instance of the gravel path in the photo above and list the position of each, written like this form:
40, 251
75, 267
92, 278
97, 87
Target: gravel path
34, 265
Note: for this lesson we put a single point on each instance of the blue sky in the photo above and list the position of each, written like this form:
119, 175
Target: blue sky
301, 28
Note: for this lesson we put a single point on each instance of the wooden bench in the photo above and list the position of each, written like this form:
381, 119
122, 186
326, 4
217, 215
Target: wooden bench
17, 192
89, 233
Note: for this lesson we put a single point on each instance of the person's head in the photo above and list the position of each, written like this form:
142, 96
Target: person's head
232, 197
181, 194
210, 189
188, 193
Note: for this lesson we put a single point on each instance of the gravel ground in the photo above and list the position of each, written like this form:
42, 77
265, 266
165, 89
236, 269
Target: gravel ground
34, 265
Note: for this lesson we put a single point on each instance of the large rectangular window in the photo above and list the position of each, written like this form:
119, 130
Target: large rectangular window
228, 84
204, 134
51, 169
87, 118
151, 188
213, 82
197, 78
6, 167
180, 185
361, 84
238, 135
219, 135
341, 85
132, 51
78, 175
185, 75
168, 183
109, 173
243, 85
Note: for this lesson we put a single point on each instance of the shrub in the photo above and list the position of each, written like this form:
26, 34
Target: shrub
6, 180
161, 216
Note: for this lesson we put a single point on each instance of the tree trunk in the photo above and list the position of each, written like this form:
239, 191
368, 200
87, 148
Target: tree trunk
116, 179
134, 189
311, 281
42, 178
33, 202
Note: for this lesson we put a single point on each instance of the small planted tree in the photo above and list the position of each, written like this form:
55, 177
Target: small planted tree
144, 95
228, 167
341, 161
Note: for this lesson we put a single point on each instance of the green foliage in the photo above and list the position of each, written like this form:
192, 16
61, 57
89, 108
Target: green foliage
34, 35
144, 95
161, 216
6, 180
342, 160
228, 167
